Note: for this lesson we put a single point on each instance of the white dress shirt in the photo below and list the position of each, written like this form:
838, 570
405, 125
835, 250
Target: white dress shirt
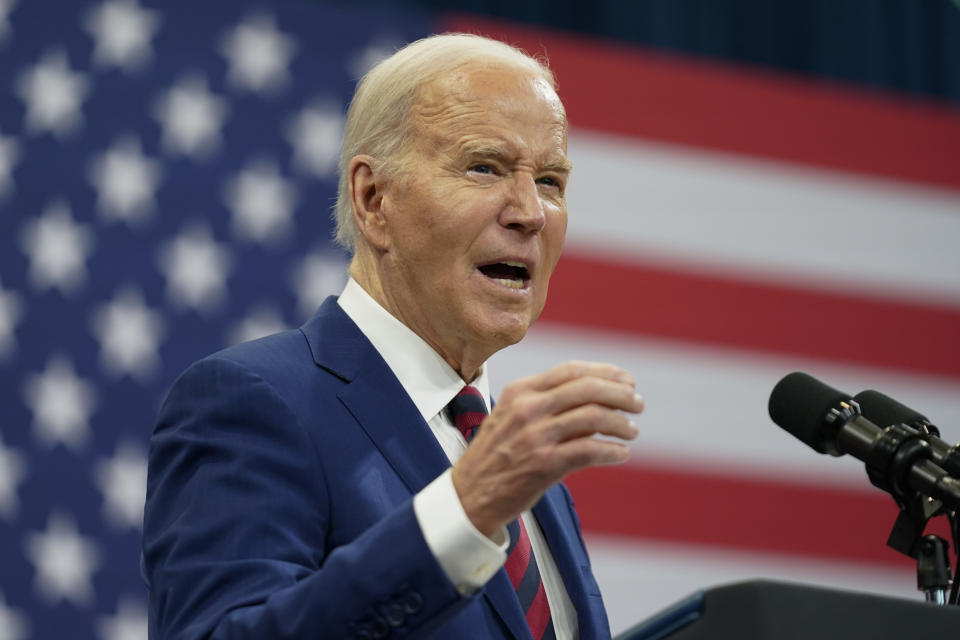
467, 556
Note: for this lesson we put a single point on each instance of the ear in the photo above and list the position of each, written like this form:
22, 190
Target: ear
366, 195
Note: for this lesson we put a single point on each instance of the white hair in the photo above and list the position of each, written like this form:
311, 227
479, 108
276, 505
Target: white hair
379, 114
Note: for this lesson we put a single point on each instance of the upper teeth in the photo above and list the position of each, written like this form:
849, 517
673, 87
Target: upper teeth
514, 263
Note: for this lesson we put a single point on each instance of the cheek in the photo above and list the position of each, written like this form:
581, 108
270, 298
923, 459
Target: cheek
555, 234
561, 222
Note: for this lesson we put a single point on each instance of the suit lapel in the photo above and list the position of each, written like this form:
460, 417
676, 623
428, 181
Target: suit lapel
387, 414
553, 515
503, 598
375, 397
551, 512
395, 426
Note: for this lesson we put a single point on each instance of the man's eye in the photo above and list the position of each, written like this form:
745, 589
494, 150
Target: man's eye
549, 181
481, 168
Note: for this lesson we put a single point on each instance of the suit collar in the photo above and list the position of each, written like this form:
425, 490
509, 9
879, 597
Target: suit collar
335, 342
427, 378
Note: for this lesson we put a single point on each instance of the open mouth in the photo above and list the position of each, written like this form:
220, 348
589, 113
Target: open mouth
511, 274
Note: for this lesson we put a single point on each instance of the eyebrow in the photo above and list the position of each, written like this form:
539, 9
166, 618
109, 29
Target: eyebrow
483, 150
559, 166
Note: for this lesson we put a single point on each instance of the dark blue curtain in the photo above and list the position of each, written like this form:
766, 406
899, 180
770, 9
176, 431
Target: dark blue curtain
909, 46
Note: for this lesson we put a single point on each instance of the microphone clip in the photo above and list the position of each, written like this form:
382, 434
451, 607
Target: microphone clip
893, 456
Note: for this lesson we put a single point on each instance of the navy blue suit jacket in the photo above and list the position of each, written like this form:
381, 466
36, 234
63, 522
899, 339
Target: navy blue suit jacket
279, 504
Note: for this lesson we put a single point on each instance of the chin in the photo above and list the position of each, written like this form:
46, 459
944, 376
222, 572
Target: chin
504, 330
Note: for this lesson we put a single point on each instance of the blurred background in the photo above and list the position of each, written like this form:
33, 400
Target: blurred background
758, 188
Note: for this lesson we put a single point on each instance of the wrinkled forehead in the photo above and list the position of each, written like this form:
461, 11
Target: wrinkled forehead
476, 99
485, 84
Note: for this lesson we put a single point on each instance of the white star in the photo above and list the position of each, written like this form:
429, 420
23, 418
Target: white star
316, 277
12, 470
125, 180
315, 134
13, 625
122, 31
5, 7
196, 269
130, 623
261, 202
64, 562
122, 480
258, 54
9, 155
262, 321
53, 95
129, 334
57, 248
191, 117
61, 404
10, 313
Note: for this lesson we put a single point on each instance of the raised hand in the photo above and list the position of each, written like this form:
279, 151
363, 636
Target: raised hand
539, 431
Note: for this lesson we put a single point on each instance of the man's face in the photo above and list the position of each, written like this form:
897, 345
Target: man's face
476, 219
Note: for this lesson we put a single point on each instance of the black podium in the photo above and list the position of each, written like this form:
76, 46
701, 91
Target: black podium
768, 610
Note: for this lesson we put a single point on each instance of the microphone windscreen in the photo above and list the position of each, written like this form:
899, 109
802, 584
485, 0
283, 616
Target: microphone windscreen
800, 404
883, 411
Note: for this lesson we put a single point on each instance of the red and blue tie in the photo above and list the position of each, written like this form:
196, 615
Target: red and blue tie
467, 410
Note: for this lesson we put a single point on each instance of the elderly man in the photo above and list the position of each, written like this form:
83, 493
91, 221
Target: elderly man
300, 486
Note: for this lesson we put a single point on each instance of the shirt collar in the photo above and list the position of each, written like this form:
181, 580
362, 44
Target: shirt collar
426, 377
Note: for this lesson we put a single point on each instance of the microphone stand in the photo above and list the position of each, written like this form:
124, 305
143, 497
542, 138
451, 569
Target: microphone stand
899, 447
930, 551
933, 569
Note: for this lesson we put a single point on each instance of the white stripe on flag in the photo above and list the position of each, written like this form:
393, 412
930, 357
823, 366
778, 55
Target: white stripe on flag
763, 219
706, 407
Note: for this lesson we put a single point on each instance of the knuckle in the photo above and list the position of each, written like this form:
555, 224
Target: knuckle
595, 386
579, 459
527, 440
596, 414
575, 367
527, 408
552, 467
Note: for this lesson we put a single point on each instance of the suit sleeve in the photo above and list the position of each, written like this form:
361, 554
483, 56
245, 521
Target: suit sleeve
235, 529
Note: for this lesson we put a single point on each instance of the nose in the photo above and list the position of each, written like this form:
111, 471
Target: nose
524, 208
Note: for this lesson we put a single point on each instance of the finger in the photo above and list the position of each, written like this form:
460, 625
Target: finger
574, 369
581, 453
592, 390
588, 420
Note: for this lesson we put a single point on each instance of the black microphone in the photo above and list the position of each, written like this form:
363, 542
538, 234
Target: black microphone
884, 410
897, 457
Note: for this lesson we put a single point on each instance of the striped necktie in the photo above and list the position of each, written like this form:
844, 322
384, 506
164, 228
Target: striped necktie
467, 410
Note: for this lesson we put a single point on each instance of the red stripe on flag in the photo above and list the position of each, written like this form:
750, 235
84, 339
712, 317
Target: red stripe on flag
656, 503
627, 90
653, 300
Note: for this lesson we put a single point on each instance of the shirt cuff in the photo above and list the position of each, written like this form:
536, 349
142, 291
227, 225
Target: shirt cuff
468, 557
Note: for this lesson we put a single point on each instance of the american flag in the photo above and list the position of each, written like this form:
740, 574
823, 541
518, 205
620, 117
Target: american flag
166, 175
729, 225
